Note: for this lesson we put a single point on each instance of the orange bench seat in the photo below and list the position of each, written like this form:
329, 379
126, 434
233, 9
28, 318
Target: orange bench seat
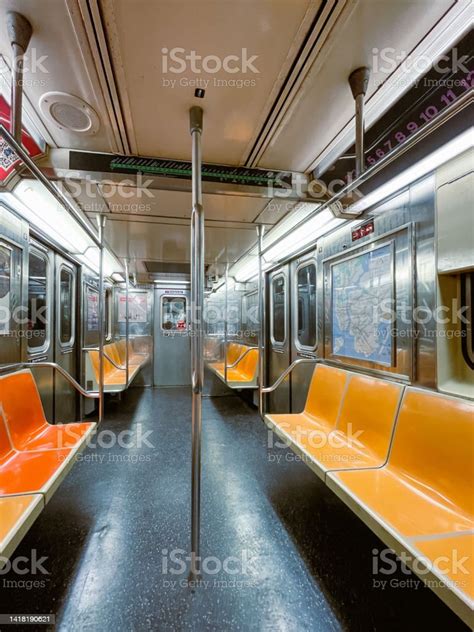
453, 559
424, 492
244, 373
347, 421
25, 420
402, 459
234, 350
31, 472
113, 377
17, 514
35, 456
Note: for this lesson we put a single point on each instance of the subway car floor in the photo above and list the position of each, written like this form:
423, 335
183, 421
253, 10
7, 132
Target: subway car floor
116, 534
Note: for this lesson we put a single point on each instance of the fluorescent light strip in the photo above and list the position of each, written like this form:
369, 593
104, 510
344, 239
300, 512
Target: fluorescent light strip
454, 148
41, 210
312, 230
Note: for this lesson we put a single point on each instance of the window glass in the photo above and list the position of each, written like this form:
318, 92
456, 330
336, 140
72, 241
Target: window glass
38, 301
173, 313
66, 305
5, 289
279, 309
306, 305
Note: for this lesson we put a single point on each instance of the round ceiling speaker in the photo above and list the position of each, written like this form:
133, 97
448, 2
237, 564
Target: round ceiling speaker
68, 112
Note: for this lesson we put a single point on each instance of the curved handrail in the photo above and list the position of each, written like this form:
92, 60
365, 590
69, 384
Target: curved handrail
51, 365
111, 360
287, 371
231, 366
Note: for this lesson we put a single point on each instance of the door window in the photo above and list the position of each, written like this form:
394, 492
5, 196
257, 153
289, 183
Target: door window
66, 306
38, 302
5, 289
278, 320
306, 306
173, 313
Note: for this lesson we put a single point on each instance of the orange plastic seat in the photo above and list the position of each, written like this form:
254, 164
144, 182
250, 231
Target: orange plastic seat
453, 560
234, 351
31, 472
17, 514
246, 370
112, 375
364, 429
320, 414
426, 486
25, 421
134, 359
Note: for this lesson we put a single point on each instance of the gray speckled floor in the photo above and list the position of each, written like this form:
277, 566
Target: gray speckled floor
304, 561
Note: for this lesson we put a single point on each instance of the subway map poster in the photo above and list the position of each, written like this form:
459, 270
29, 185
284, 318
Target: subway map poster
362, 296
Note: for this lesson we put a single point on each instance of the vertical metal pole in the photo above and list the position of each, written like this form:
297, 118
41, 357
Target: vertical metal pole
359, 145
226, 327
261, 320
358, 81
101, 224
197, 359
19, 32
127, 319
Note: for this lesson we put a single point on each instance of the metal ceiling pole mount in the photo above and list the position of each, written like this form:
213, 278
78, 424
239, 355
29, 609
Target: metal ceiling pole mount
197, 332
19, 33
358, 81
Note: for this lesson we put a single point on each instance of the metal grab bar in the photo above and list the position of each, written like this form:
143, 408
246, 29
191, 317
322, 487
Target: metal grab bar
117, 366
287, 371
231, 366
51, 365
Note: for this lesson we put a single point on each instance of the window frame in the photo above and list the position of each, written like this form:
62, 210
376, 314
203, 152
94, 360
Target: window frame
279, 343
304, 264
34, 250
5, 245
72, 339
108, 309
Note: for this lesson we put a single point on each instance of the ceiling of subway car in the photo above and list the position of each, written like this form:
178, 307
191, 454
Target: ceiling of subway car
276, 92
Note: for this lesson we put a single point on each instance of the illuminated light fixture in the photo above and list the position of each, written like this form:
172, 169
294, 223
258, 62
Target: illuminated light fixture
303, 236
246, 269
91, 258
453, 148
119, 278
40, 208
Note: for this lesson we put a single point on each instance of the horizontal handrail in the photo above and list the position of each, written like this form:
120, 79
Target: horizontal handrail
287, 371
51, 365
111, 360
231, 366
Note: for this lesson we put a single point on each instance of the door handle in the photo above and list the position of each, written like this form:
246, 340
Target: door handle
66, 351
